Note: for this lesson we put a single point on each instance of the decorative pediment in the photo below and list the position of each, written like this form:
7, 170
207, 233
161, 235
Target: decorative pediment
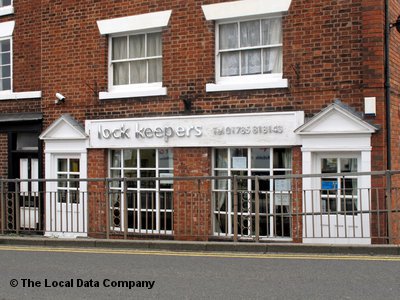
65, 128
337, 118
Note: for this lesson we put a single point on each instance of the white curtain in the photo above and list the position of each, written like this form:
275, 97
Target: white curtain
119, 51
272, 35
137, 46
254, 61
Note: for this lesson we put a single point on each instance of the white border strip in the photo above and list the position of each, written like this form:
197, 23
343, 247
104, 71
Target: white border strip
244, 8
21, 95
134, 23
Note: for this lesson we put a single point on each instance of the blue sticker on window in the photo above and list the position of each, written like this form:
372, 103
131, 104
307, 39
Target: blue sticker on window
329, 185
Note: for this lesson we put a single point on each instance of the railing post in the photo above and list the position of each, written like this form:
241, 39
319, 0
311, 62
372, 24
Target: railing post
17, 208
2, 207
107, 209
235, 209
257, 208
125, 210
389, 205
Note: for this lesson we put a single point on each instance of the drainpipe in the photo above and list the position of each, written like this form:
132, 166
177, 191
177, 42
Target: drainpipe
387, 88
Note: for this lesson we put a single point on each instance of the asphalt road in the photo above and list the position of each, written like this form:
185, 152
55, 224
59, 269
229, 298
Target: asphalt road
43, 273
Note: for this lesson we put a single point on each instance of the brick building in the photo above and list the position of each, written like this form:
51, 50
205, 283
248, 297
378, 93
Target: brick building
199, 88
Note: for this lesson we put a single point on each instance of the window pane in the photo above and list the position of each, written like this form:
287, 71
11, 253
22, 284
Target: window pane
260, 158
250, 33
137, 46
221, 158
348, 165
115, 158
5, 58
230, 64
272, 60
6, 2
130, 160
155, 70
27, 141
148, 158
119, 48
165, 159
272, 31
5, 71
329, 165
62, 165
5, 84
228, 36
239, 158
121, 73
251, 62
282, 158
74, 165
138, 71
5, 46
154, 44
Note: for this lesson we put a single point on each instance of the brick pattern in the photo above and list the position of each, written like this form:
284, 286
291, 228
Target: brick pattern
332, 49
192, 198
297, 197
97, 202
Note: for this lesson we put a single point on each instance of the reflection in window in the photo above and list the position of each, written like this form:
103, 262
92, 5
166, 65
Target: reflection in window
274, 194
149, 200
339, 194
67, 189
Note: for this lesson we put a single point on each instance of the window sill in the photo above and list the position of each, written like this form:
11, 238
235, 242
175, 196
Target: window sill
134, 93
7, 10
271, 84
20, 95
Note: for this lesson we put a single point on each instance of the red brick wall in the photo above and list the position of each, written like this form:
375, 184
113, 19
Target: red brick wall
192, 198
297, 196
97, 202
324, 51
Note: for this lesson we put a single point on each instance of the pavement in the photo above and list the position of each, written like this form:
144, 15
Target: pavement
164, 245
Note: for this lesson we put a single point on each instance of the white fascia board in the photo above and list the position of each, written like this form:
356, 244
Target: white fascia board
244, 8
6, 29
135, 23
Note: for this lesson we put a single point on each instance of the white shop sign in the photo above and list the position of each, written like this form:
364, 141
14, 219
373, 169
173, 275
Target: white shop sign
258, 129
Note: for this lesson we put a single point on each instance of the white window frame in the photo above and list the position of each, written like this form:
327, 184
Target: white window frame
132, 25
2, 92
249, 171
233, 11
129, 87
138, 190
6, 9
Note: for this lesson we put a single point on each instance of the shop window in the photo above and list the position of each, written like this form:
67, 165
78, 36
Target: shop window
148, 200
274, 194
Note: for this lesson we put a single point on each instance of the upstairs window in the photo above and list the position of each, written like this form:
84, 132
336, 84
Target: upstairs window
5, 64
5, 3
250, 47
248, 44
136, 59
6, 7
